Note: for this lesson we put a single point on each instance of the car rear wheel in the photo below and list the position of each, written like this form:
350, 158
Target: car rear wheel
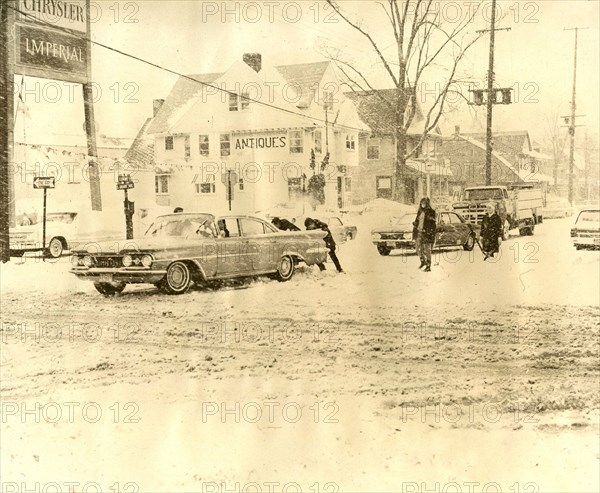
469, 244
383, 250
109, 288
285, 269
55, 248
177, 280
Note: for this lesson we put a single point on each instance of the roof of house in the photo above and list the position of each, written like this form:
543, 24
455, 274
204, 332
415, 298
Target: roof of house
184, 89
378, 114
513, 142
141, 152
307, 76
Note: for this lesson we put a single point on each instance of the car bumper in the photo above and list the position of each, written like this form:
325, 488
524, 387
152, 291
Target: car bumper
395, 243
149, 276
589, 241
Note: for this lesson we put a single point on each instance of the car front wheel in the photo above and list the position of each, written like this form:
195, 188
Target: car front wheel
177, 280
469, 244
285, 269
109, 288
55, 248
383, 250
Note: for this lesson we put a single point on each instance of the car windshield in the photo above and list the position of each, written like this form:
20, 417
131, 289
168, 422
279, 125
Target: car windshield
483, 194
61, 217
406, 220
589, 217
197, 225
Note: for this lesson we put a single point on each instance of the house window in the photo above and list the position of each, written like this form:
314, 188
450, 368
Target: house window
384, 187
294, 188
204, 149
318, 142
188, 151
373, 149
208, 186
233, 102
225, 145
245, 100
327, 100
350, 142
161, 184
296, 141
169, 143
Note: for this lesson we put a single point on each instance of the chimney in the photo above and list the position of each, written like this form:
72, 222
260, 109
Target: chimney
156, 105
253, 60
456, 130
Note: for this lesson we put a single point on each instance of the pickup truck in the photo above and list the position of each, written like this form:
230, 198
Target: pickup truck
520, 207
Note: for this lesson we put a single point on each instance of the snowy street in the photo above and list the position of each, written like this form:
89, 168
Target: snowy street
382, 362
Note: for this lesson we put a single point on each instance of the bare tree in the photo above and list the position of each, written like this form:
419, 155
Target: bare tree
422, 42
555, 140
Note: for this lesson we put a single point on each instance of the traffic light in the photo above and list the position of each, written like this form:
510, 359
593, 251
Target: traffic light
478, 97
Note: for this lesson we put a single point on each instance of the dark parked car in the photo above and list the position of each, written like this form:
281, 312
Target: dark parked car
452, 230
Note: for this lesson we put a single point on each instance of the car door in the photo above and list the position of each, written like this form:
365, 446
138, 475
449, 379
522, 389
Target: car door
443, 229
230, 255
460, 231
256, 245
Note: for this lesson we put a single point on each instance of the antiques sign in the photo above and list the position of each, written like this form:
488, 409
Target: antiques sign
50, 39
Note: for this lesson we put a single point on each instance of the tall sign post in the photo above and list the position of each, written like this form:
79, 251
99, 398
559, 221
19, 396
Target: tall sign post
44, 182
50, 40
125, 183
7, 80
229, 179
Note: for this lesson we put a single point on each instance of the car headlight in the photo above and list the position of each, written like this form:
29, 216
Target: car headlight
376, 236
127, 261
146, 260
75, 260
87, 261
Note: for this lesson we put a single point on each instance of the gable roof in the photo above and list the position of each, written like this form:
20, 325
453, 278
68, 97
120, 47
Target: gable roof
513, 143
307, 76
183, 90
141, 152
379, 115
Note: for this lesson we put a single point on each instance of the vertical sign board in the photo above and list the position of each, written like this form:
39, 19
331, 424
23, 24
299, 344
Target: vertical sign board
47, 39
44, 182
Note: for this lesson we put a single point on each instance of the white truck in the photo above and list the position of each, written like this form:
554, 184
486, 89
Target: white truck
519, 206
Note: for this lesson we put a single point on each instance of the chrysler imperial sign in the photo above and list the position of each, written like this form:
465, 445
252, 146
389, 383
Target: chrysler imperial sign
51, 39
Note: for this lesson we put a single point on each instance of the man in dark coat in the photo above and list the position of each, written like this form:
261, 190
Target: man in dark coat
491, 231
310, 223
424, 229
284, 224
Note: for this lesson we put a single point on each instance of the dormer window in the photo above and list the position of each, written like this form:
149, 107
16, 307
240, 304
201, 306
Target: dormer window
350, 142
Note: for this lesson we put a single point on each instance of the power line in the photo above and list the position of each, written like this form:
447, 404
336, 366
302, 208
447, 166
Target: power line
174, 72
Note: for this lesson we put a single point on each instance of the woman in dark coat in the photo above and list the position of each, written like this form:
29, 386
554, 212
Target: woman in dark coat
491, 231
424, 229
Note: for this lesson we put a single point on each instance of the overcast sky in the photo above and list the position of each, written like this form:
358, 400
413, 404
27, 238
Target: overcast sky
535, 57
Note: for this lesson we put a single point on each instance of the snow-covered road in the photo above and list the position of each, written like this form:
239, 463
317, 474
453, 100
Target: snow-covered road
388, 367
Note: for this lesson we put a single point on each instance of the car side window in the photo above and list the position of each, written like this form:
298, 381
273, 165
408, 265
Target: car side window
228, 228
252, 227
335, 221
444, 219
454, 218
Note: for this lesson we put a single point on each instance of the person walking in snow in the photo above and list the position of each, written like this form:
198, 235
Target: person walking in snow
491, 231
424, 229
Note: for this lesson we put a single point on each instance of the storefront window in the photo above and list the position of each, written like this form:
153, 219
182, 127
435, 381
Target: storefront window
208, 186
161, 184
296, 141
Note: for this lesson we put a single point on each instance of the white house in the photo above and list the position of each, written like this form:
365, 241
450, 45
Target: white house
260, 123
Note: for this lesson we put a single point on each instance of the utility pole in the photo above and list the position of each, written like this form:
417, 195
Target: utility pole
491, 94
6, 125
573, 116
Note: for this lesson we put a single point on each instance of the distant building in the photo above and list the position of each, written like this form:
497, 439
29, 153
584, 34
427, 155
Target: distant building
513, 159
375, 177
258, 122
